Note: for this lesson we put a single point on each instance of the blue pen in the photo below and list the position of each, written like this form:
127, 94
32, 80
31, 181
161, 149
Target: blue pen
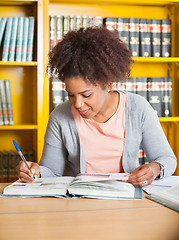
21, 155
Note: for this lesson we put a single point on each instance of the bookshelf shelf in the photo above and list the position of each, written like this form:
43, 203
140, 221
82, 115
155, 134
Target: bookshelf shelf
33, 63
156, 60
169, 119
19, 127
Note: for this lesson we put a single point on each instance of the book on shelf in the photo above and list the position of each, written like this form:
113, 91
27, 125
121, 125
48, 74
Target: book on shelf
1, 113
58, 92
9, 101
145, 37
52, 31
30, 39
105, 186
134, 36
2, 27
167, 97
12, 43
59, 31
18, 48
156, 37
6, 43
166, 37
4, 102
24, 39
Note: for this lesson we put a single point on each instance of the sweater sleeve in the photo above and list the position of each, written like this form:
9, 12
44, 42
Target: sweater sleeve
154, 141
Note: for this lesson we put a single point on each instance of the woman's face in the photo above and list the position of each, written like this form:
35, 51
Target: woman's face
88, 99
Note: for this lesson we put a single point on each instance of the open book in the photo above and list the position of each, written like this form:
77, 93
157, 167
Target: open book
87, 185
169, 197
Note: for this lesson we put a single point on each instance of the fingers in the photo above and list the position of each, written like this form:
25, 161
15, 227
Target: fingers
142, 176
25, 174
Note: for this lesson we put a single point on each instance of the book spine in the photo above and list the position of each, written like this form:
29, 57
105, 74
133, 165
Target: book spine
52, 32
11, 170
18, 48
166, 37
155, 91
110, 24
5, 170
66, 25
2, 28
85, 21
98, 21
79, 22
30, 39
145, 37
129, 85
4, 102
156, 37
9, 102
24, 39
91, 21
72, 23
141, 156
1, 167
12, 43
167, 97
1, 111
57, 92
124, 33
134, 36
59, 28
7, 37
141, 86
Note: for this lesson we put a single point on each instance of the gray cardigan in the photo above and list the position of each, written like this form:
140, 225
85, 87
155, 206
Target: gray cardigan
63, 154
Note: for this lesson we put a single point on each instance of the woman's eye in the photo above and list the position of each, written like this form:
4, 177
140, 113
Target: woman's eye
86, 96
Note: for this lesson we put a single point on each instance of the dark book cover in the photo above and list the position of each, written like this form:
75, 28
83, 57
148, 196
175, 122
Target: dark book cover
145, 37
123, 29
155, 93
5, 170
166, 37
52, 30
141, 156
130, 85
156, 37
58, 89
134, 36
12, 167
111, 23
167, 97
1, 167
141, 86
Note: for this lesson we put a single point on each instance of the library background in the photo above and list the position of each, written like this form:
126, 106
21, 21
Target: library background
28, 31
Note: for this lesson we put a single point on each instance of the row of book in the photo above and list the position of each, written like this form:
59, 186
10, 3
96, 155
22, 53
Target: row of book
144, 37
156, 90
8, 163
60, 25
16, 38
6, 110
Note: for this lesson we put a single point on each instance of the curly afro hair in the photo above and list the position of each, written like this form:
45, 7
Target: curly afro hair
94, 54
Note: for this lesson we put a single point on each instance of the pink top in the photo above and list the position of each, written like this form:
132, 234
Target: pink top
103, 143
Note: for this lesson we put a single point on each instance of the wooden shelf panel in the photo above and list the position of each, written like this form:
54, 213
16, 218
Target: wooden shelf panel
33, 63
156, 60
19, 127
169, 119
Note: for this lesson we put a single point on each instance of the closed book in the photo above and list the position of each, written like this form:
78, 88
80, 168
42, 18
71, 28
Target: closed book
12, 43
91, 21
145, 37
59, 29
156, 37
111, 23
130, 85
66, 25
52, 32
2, 28
5, 170
57, 92
84, 21
9, 102
1, 112
167, 97
98, 21
123, 29
24, 39
79, 22
4, 102
166, 37
141, 86
155, 93
141, 156
72, 23
18, 48
12, 166
30, 39
5, 52
1, 167
134, 36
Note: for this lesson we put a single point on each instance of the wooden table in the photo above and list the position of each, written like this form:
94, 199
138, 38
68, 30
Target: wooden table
83, 219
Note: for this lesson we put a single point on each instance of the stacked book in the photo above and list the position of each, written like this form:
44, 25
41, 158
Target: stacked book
156, 90
144, 37
60, 25
16, 38
6, 110
8, 163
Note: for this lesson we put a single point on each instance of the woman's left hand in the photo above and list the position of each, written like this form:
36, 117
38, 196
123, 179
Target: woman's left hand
144, 175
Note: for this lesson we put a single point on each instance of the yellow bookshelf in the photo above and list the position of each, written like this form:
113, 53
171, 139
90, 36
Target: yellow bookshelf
150, 67
27, 81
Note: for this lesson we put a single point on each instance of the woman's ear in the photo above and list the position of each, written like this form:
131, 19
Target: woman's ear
109, 86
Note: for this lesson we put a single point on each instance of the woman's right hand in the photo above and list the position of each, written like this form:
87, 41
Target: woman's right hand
25, 174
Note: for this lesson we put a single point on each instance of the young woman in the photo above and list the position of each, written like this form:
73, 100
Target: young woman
99, 130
